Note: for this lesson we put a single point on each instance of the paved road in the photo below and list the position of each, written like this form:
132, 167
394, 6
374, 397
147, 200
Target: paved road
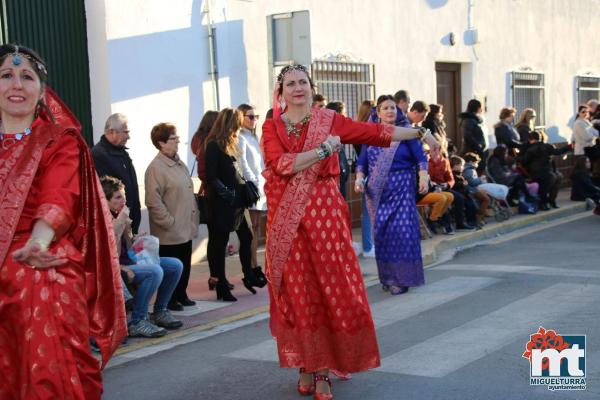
461, 336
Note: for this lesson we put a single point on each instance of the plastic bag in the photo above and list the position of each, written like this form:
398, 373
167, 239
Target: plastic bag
527, 205
145, 250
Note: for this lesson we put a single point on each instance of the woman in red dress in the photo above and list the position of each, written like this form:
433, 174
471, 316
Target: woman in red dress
320, 315
59, 274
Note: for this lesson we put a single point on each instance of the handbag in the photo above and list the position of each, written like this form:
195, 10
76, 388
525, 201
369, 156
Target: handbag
527, 205
201, 202
249, 194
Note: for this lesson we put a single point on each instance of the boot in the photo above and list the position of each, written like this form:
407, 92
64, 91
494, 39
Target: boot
223, 292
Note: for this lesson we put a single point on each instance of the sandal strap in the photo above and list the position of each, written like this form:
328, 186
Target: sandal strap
323, 378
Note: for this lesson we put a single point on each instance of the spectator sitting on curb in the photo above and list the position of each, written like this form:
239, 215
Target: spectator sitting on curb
462, 186
148, 277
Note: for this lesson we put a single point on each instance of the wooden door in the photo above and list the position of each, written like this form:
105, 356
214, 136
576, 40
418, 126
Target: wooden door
448, 95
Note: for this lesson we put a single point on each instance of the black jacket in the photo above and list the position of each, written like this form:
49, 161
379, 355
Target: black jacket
523, 130
507, 135
537, 158
223, 183
472, 134
115, 161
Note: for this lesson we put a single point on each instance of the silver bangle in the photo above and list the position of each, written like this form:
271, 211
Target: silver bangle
320, 153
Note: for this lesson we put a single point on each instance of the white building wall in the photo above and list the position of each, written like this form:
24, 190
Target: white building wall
149, 58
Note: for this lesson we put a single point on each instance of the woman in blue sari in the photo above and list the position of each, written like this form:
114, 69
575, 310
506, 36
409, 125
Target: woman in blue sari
391, 191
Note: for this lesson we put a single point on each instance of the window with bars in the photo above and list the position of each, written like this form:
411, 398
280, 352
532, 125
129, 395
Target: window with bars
528, 92
350, 82
588, 88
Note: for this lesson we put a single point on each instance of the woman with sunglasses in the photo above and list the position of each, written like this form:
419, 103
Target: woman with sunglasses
584, 133
252, 165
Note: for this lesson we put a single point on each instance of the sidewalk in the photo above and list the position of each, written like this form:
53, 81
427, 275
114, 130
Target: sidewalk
210, 313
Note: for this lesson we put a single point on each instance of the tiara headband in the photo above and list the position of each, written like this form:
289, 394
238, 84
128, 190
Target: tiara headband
17, 60
289, 68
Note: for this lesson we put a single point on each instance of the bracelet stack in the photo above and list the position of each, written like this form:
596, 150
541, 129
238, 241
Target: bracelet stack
324, 150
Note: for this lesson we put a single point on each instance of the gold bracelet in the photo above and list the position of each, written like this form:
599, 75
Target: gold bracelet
43, 243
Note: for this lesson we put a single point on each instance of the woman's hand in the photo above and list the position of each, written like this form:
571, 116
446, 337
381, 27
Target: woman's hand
33, 255
359, 185
123, 214
334, 142
423, 182
431, 141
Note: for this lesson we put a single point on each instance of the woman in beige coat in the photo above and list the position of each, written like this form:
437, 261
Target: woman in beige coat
172, 206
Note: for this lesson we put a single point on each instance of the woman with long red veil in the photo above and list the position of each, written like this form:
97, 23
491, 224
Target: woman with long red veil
59, 274
320, 315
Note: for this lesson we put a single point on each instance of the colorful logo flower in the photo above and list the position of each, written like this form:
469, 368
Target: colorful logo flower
545, 339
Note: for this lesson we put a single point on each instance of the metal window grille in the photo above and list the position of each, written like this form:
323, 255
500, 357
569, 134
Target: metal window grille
528, 91
350, 82
588, 88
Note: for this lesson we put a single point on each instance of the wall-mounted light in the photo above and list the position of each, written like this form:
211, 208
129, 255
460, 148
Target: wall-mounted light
452, 38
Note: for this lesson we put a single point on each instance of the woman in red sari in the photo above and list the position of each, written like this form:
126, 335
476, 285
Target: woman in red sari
320, 315
59, 274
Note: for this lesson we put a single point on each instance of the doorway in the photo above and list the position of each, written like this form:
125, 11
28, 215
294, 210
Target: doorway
448, 94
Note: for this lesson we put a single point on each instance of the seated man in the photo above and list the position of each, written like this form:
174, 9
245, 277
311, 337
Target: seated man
469, 172
537, 161
148, 277
441, 175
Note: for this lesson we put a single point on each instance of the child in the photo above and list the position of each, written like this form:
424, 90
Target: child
461, 185
583, 188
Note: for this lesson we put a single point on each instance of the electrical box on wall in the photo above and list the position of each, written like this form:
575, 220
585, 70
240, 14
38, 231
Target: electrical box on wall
471, 36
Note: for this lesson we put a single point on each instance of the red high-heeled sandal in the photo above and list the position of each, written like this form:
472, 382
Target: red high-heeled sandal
306, 390
319, 395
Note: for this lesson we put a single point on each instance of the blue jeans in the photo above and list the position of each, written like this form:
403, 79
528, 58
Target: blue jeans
126, 293
149, 278
367, 231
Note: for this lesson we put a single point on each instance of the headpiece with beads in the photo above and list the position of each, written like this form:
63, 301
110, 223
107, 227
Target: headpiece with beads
289, 68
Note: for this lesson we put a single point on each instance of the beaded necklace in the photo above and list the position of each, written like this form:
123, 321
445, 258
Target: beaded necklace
8, 139
296, 128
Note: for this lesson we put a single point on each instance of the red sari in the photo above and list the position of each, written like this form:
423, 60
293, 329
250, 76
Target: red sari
320, 314
49, 315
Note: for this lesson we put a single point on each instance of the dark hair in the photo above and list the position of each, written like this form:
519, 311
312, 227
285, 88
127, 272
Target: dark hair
244, 108
337, 106
364, 110
456, 160
534, 135
401, 95
419, 106
382, 98
269, 114
161, 133
472, 157
288, 68
318, 97
37, 63
111, 185
581, 107
228, 122
207, 121
579, 167
435, 109
473, 106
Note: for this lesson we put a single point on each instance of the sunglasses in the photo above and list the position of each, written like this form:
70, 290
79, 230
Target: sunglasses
252, 117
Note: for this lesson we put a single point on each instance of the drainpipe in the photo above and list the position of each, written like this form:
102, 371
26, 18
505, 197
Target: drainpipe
212, 55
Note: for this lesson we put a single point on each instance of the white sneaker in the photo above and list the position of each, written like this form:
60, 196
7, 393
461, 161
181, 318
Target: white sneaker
369, 254
357, 248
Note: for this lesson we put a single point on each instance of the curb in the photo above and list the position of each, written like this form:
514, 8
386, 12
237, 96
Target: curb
430, 258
